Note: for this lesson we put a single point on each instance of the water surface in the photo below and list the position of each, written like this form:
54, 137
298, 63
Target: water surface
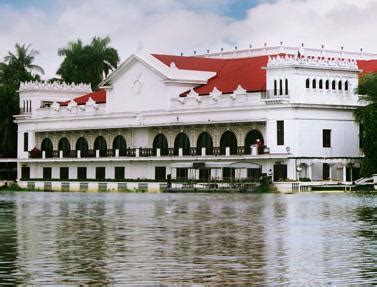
108, 238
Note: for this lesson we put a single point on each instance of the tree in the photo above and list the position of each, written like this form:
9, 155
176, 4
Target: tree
367, 117
88, 64
17, 67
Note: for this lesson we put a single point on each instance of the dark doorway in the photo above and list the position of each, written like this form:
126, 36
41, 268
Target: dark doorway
252, 137
204, 141
228, 139
160, 142
182, 141
160, 173
280, 172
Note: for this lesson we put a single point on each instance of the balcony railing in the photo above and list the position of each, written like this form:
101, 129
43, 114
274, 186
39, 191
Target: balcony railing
151, 152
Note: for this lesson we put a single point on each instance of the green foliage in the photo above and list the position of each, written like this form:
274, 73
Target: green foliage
367, 116
88, 64
17, 67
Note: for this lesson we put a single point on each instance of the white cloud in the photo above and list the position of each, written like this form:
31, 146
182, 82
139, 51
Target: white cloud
173, 26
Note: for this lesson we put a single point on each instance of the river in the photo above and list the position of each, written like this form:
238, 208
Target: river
158, 238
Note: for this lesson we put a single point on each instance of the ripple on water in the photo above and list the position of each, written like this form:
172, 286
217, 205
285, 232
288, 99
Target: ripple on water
108, 238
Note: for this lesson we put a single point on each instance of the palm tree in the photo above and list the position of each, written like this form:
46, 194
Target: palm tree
88, 64
19, 65
367, 117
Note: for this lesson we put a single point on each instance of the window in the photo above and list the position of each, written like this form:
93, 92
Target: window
340, 85
325, 171
254, 173
100, 172
119, 172
64, 173
346, 86
228, 173
320, 84
280, 87
280, 132
182, 173
160, 173
307, 85
314, 84
81, 173
286, 86
327, 84
47, 173
326, 138
25, 172
361, 135
275, 88
280, 172
204, 173
26, 141
333, 85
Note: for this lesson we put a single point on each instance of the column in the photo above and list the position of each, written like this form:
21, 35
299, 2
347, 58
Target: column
344, 172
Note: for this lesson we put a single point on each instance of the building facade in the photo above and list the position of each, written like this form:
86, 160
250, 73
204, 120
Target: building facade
280, 111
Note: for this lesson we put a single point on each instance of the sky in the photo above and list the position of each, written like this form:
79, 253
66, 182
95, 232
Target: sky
175, 26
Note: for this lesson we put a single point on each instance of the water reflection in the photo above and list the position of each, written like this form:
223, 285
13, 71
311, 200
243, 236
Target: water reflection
108, 238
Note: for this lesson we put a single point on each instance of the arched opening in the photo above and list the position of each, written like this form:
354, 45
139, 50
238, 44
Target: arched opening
327, 84
160, 142
286, 86
307, 85
320, 84
182, 141
101, 145
346, 85
253, 137
280, 86
64, 146
82, 146
314, 84
47, 147
119, 143
275, 88
204, 141
228, 139
333, 85
340, 85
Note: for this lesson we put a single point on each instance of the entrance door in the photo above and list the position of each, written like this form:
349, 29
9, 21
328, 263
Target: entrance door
280, 172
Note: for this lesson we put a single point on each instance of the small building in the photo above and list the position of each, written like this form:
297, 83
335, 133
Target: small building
280, 111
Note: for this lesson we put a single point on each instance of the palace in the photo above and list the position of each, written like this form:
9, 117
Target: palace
281, 111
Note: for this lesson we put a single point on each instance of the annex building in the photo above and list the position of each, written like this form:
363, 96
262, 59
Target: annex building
281, 111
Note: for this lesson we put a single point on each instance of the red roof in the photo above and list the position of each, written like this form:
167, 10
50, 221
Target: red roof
98, 96
367, 66
246, 72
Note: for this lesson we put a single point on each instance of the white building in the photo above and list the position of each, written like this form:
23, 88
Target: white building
282, 111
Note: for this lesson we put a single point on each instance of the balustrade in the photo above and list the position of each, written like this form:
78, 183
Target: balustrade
142, 152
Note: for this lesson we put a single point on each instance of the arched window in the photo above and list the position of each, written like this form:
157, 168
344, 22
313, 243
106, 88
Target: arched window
275, 88
47, 147
307, 83
340, 85
82, 146
64, 146
101, 145
160, 142
204, 141
320, 84
333, 84
286, 86
280, 87
327, 84
228, 139
314, 84
253, 137
346, 85
182, 141
119, 143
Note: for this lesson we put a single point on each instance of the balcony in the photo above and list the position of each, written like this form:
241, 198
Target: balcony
151, 152
275, 96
